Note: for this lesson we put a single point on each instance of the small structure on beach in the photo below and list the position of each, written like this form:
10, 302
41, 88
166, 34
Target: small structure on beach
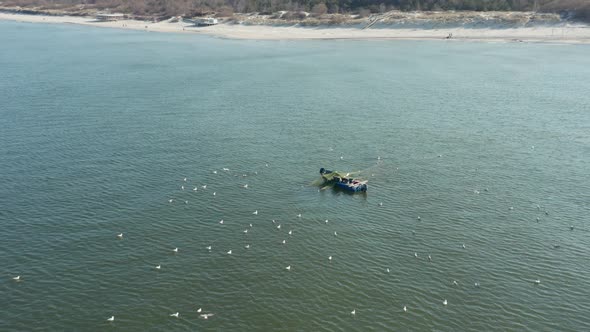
109, 17
205, 21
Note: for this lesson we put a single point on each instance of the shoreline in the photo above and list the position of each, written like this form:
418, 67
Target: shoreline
578, 34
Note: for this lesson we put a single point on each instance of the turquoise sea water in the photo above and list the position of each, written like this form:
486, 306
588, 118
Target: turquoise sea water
99, 127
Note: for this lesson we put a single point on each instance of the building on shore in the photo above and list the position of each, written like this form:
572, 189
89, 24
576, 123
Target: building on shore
109, 17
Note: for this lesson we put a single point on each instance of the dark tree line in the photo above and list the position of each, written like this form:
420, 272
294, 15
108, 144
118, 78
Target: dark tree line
579, 8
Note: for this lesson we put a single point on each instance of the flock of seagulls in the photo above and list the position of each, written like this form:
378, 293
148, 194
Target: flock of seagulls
205, 316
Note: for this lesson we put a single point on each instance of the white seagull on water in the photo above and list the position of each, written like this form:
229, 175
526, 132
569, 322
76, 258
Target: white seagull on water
120, 235
176, 314
288, 268
255, 212
158, 267
209, 248
353, 312
199, 310
17, 278
111, 319
229, 252
175, 249
445, 302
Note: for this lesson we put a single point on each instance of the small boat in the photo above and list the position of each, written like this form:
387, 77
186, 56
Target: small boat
343, 181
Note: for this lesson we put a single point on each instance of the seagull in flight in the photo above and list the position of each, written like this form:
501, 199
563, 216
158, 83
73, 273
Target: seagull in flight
205, 316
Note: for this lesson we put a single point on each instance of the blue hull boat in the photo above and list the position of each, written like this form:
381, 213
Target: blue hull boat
342, 181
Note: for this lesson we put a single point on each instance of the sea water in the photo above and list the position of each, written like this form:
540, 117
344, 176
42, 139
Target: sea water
464, 145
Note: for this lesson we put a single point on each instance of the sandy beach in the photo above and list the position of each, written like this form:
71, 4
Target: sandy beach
554, 34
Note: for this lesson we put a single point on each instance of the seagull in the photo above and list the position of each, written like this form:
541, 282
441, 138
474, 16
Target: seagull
17, 278
214, 172
199, 310
255, 212
477, 284
266, 165
185, 202
419, 218
245, 231
353, 312
158, 267
279, 226
290, 232
299, 215
214, 193
537, 219
284, 241
226, 169
170, 200
445, 302
175, 249
111, 319
120, 235
537, 282
221, 221
326, 221
205, 316
184, 179
209, 248
378, 157
455, 283
229, 252
429, 258
463, 245
288, 268
330, 258
571, 227
247, 246
245, 186
250, 225
195, 189
181, 187
387, 270
204, 186
405, 309
416, 254
380, 203
511, 208
175, 315
274, 221
341, 157
335, 234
